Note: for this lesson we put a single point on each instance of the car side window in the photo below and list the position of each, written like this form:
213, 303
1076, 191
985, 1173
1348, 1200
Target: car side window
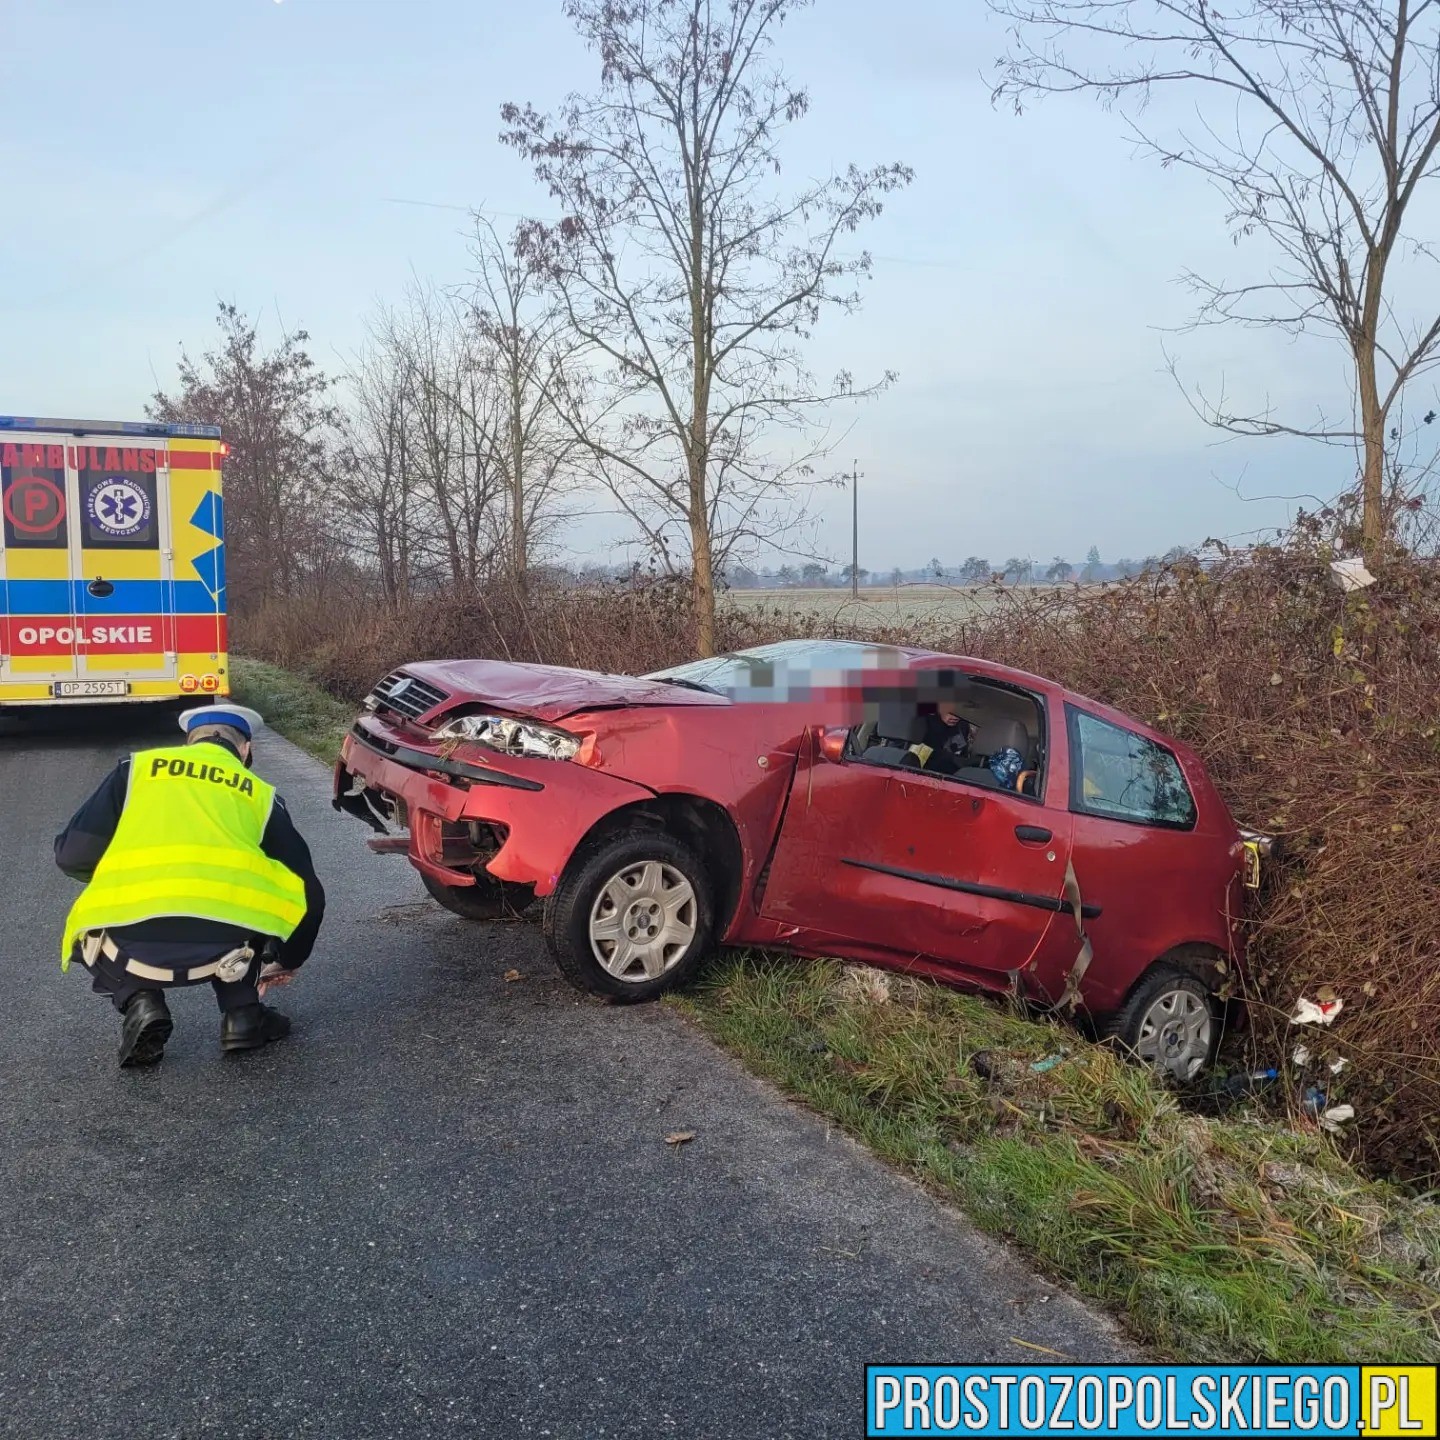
1120, 775
980, 733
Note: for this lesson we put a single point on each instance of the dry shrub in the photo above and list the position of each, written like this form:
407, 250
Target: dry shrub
1316, 713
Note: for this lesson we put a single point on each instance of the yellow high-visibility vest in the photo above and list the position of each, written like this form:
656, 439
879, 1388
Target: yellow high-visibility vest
188, 843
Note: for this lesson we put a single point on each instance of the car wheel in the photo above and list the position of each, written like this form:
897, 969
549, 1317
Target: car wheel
631, 917
487, 899
1171, 1023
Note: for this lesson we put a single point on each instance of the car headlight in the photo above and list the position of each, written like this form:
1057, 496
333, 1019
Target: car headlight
511, 737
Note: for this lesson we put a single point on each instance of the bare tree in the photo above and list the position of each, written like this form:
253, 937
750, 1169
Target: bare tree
422, 465
688, 275
1320, 120
448, 441
523, 331
374, 470
279, 423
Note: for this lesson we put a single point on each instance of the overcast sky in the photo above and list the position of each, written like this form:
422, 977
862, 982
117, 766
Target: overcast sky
160, 155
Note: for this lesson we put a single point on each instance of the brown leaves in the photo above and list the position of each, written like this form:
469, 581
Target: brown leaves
511, 976
676, 1138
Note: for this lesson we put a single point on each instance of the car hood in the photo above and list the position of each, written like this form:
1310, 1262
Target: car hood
548, 692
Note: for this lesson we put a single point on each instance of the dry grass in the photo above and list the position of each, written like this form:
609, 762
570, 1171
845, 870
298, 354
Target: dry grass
1218, 1240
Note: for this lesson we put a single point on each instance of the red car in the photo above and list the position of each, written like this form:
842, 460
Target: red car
932, 814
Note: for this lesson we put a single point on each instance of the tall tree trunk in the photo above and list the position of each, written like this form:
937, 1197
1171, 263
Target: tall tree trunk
1372, 427
519, 556
702, 575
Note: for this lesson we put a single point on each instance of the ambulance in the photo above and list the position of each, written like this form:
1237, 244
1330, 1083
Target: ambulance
112, 562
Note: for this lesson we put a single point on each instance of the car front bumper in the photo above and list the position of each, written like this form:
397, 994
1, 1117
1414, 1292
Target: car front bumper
519, 820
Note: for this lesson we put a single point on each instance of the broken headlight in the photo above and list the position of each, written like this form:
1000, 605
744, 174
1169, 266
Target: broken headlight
511, 737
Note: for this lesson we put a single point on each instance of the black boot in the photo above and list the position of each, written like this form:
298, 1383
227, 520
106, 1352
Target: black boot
252, 1026
145, 1029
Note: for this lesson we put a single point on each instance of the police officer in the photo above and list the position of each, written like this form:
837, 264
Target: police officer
194, 871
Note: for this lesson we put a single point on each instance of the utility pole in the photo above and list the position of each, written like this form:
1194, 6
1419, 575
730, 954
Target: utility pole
855, 478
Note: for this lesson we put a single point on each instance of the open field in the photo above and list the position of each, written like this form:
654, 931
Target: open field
877, 608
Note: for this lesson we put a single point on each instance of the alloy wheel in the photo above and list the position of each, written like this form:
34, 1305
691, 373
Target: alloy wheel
1175, 1034
643, 921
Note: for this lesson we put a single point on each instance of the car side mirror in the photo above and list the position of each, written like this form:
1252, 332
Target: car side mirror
832, 745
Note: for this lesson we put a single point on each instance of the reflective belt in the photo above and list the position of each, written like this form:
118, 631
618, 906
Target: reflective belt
229, 968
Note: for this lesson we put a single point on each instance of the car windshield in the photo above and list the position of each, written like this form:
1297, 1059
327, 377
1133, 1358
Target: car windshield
787, 667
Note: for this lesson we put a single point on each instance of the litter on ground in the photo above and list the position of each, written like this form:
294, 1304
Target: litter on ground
1316, 1012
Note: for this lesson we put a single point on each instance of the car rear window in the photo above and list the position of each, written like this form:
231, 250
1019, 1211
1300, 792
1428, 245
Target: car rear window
1120, 775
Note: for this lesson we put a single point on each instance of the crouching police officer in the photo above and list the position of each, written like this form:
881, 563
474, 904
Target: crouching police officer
195, 871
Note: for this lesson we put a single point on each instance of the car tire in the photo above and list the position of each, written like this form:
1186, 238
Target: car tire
1171, 1022
487, 899
632, 916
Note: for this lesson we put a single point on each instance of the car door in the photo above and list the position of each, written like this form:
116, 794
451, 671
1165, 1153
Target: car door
1140, 852
922, 865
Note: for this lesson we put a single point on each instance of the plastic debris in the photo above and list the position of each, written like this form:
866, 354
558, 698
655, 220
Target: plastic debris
1049, 1062
1316, 1012
1335, 1118
1351, 574
1315, 1099
1336, 1066
1235, 1087
1301, 1055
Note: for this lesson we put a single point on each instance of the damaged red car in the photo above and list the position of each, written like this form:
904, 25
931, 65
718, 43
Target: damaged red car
924, 812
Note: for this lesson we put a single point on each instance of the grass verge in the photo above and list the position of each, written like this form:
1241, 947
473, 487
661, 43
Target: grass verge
1217, 1240
296, 707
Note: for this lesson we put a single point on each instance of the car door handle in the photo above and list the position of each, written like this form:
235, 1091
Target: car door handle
1033, 835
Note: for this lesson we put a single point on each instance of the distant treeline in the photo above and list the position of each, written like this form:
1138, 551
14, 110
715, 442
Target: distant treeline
973, 570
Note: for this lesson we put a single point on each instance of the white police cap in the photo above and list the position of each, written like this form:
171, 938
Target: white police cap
238, 717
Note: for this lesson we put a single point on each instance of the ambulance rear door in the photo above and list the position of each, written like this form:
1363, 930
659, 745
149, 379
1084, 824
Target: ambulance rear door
38, 629
122, 547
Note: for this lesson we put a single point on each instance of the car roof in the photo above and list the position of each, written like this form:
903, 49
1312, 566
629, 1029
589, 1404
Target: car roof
876, 655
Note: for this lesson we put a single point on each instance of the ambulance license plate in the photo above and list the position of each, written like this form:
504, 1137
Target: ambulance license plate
96, 689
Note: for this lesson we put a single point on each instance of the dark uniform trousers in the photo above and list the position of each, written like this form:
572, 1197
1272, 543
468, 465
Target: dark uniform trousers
110, 977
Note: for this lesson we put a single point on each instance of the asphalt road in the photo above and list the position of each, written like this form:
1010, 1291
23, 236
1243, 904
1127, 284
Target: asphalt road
445, 1205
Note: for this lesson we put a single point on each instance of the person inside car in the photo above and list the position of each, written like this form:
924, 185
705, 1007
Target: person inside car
944, 746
